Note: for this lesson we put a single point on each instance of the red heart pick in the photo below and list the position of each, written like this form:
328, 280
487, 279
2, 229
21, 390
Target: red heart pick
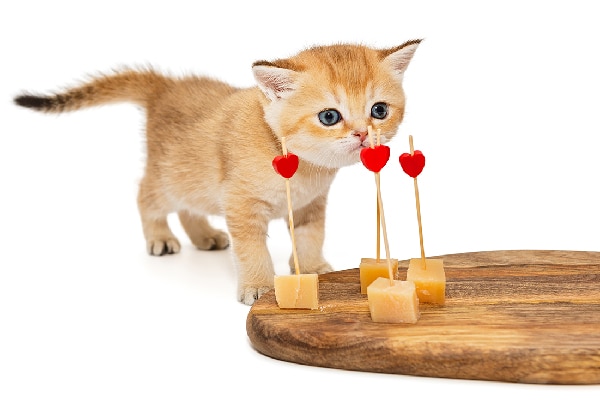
413, 164
286, 166
375, 158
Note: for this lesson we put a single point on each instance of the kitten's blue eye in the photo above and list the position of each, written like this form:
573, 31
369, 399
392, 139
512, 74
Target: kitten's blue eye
379, 110
329, 117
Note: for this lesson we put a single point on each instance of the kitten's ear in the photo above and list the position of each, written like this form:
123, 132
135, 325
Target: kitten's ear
399, 57
275, 82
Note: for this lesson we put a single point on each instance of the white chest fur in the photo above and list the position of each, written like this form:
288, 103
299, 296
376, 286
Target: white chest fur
304, 188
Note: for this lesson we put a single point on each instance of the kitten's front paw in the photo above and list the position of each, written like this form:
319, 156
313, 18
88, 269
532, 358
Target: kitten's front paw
249, 295
321, 268
218, 241
162, 246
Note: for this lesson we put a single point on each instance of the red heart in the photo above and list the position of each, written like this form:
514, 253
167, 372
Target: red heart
375, 158
413, 164
286, 166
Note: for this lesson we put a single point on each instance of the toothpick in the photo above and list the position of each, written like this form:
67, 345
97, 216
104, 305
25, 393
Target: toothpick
380, 212
412, 152
290, 213
385, 238
378, 207
378, 241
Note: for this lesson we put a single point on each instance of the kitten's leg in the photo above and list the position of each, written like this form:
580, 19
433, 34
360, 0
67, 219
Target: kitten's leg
248, 231
309, 231
153, 212
201, 233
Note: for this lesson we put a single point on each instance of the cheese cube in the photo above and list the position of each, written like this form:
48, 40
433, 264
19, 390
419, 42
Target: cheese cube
297, 291
394, 302
430, 281
371, 269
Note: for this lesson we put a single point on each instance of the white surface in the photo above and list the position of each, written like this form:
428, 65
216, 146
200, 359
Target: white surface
502, 99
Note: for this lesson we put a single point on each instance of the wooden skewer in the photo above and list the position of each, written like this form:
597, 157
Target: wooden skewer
423, 263
385, 239
378, 240
290, 213
378, 252
380, 214
378, 237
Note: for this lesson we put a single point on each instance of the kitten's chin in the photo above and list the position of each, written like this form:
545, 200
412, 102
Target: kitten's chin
347, 161
351, 158
335, 159
332, 154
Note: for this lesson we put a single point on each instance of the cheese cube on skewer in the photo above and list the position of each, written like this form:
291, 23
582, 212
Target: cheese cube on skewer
430, 281
297, 291
393, 302
371, 269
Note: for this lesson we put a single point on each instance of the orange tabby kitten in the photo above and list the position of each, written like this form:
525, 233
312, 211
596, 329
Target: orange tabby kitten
210, 146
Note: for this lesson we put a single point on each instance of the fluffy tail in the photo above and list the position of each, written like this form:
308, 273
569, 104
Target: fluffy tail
126, 86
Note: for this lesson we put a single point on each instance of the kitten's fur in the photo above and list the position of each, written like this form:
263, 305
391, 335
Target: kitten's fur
210, 147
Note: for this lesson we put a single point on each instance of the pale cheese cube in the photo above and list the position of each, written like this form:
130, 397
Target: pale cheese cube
297, 291
393, 302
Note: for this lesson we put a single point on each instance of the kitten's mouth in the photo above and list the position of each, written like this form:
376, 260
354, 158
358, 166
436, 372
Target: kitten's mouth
362, 145
358, 146
355, 150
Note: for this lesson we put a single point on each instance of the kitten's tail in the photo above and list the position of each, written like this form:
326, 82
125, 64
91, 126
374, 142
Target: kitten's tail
125, 86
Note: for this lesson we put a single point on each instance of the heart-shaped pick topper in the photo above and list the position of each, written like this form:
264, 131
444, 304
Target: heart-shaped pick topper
287, 165
412, 164
375, 158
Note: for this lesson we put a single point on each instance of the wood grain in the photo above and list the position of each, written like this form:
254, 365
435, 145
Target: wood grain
512, 316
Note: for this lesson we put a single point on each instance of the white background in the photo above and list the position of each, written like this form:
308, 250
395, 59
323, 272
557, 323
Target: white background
502, 100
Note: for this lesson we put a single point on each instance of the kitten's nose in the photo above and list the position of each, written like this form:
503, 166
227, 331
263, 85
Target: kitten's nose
362, 135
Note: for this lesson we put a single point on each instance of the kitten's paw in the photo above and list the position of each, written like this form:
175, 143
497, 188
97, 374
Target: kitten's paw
218, 241
249, 295
321, 268
162, 246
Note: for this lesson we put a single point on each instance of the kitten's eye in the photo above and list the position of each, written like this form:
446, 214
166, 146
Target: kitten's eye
379, 110
329, 117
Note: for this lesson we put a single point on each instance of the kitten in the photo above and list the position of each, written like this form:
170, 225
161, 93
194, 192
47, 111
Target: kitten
210, 146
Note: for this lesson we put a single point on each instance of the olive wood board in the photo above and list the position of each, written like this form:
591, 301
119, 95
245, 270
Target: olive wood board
529, 316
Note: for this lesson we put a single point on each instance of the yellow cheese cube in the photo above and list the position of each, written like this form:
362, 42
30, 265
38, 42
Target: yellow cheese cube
430, 281
394, 302
297, 291
371, 269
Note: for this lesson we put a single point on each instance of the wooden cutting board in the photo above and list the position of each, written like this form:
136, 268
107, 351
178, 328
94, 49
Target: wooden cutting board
512, 316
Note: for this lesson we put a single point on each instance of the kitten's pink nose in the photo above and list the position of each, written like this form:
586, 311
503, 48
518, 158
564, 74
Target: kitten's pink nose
362, 135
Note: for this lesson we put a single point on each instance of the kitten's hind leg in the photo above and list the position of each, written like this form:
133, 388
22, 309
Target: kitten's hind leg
160, 239
201, 233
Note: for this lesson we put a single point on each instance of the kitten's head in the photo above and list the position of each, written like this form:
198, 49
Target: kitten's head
324, 98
